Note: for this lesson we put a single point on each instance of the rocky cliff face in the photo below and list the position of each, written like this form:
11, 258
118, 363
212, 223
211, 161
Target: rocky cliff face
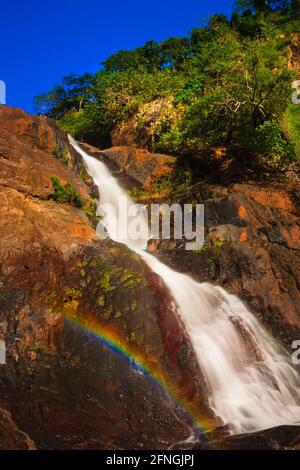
61, 387
252, 235
252, 249
143, 128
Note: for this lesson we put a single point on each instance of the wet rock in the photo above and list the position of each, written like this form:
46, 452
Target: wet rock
66, 298
280, 438
251, 249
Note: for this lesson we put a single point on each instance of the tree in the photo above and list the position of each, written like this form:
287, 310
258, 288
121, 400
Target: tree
122, 61
262, 6
226, 84
151, 55
247, 91
257, 5
71, 94
218, 21
174, 52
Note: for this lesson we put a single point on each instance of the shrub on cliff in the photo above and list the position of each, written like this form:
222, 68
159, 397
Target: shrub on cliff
66, 193
270, 137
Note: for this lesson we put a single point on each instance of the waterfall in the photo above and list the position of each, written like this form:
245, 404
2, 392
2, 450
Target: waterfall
252, 382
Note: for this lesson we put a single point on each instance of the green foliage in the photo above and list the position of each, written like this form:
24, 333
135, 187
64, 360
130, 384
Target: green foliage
190, 89
137, 193
71, 94
66, 193
90, 208
174, 182
269, 137
291, 126
252, 87
228, 83
76, 123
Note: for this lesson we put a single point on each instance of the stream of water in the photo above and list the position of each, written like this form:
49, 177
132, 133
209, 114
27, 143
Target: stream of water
252, 384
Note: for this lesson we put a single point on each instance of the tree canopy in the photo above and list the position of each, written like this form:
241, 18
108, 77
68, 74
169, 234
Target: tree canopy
229, 84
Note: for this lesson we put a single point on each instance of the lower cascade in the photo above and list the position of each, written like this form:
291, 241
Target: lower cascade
251, 382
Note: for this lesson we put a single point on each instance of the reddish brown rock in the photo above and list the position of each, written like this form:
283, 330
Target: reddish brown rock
11, 437
252, 248
268, 197
29, 170
29, 129
62, 386
32, 142
138, 164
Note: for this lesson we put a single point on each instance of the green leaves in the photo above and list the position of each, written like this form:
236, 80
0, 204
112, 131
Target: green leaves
70, 95
227, 85
66, 193
269, 139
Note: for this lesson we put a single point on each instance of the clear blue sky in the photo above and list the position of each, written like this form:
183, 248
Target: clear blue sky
43, 40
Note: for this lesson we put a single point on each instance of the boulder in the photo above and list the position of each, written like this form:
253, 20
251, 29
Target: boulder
135, 167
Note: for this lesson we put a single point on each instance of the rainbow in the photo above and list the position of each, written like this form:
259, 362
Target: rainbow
147, 366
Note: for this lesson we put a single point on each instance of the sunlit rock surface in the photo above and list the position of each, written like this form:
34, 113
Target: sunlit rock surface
60, 384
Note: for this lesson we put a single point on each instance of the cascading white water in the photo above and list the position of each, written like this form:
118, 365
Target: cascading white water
252, 383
